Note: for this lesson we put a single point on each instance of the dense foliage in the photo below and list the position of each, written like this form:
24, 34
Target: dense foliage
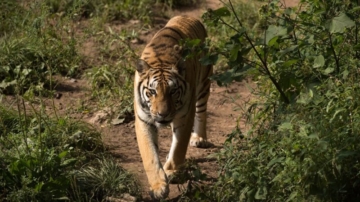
304, 143
45, 159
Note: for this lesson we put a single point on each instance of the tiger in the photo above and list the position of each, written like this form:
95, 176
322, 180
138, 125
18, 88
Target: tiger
170, 90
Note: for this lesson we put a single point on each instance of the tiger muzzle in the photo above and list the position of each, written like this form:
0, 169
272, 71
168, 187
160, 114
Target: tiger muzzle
162, 118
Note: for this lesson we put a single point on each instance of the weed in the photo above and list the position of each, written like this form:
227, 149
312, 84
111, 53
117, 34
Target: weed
106, 179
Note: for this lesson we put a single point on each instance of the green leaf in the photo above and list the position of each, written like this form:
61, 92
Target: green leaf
313, 136
39, 186
340, 23
355, 8
62, 154
275, 160
344, 154
285, 126
328, 70
336, 113
273, 41
311, 93
192, 42
221, 12
319, 61
322, 145
288, 50
261, 193
234, 53
292, 196
274, 31
345, 74
223, 78
209, 59
357, 47
289, 63
68, 162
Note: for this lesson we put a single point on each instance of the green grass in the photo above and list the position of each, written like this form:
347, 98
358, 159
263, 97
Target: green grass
36, 47
44, 159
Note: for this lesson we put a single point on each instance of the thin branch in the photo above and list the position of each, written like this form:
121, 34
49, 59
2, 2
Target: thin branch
334, 53
264, 64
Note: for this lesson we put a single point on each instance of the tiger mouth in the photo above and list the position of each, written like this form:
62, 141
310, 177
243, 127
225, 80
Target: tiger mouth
164, 122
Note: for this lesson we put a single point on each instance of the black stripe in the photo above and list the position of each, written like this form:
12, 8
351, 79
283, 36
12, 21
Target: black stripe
183, 116
153, 127
170, 37
205, 87
160, 46
153, 63
203, 95
174, 30
142, 102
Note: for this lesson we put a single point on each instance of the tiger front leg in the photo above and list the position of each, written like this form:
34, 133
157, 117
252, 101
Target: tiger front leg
148, 145
180, 140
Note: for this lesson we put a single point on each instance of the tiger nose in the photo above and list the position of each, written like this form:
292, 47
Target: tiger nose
162, 114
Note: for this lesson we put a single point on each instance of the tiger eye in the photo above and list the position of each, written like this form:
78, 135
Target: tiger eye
152, 92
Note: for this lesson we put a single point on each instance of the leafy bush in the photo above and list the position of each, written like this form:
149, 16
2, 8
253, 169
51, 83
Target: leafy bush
40, 158
219, 31
304, 140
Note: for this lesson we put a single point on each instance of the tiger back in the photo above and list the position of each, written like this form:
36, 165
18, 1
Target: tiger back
169, 90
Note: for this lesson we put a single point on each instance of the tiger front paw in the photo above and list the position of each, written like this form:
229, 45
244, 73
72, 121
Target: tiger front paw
171, 174
199, 142
159, 190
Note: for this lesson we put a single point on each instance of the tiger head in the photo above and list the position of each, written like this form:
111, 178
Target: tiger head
161, 91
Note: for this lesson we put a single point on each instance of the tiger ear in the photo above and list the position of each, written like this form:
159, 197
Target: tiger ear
180, 67
142, 66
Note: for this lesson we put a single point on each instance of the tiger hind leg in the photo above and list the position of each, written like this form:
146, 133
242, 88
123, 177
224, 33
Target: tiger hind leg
198, 136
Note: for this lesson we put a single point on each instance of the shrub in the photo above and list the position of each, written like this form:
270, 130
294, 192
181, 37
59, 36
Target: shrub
41, 158
303, 144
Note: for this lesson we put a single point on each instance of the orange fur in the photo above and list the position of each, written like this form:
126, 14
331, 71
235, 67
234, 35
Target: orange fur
168, 90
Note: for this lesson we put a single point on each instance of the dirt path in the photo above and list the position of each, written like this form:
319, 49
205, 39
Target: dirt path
223, 114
